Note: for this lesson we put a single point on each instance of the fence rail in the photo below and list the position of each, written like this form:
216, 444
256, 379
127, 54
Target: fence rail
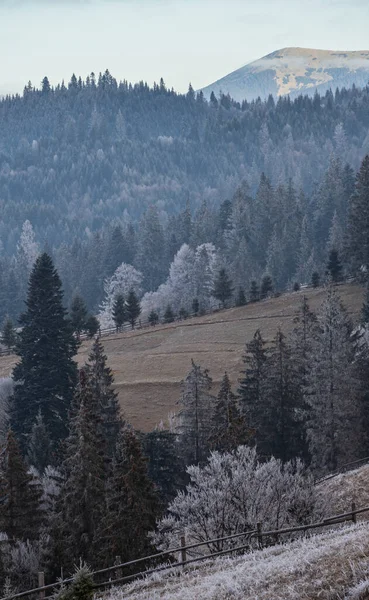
255, 534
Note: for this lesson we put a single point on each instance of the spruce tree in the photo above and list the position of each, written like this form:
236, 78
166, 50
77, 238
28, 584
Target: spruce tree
282, 426
254, 292
195, 415
165, 466
241, 298
39, 449
46, 374
8, 334
266, 287
169, 314
101, 382
358, 223
119, 311
334, 425
315, 279
132, 504
252, 388
195, 306
153, 318
133, 308
222, 288
20, 496
78, 315
229, 428
92, 326
334, 266
83, 493
365, 308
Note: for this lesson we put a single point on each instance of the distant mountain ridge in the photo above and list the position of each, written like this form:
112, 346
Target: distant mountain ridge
294, 71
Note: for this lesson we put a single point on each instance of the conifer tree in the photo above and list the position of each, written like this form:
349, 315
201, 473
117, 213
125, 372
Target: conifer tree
332, 390
119, 311
229, 428
266, 287
39, 449
252, 389
365, 308
83, 493
8, 334
254, 292
195, 306
169, 314
315, 279
282, 430
358, 225
116, 252
241, 298
92, 326
165, 467
46, 375
101, 380
20, 496
132, 504
153, 318
183, 314
195, 415
133, 308
222, 288
334, 266
78, 315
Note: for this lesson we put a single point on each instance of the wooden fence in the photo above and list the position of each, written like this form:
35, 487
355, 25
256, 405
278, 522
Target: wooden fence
252, 539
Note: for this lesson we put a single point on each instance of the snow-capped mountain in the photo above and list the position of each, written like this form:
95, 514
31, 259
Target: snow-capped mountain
294, 71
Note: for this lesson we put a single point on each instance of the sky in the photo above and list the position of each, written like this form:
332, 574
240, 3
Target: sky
197, 41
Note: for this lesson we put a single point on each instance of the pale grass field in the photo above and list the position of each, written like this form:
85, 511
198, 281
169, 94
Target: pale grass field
149, 364
330, 566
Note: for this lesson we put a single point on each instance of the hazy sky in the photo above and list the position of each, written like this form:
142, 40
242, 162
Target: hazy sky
180, 40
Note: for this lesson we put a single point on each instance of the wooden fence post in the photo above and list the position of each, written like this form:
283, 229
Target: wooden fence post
118, 572
353, 510
183, 551
259, 534
41, 583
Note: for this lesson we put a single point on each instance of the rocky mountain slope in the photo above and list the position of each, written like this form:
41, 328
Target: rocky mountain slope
294, 71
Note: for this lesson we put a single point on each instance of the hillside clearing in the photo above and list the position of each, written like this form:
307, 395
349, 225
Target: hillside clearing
149, 364
327, 566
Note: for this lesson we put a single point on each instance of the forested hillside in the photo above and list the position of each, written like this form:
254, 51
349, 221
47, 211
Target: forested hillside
102, 173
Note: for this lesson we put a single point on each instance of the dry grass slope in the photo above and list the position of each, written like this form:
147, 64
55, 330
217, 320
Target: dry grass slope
148, 365
333, 565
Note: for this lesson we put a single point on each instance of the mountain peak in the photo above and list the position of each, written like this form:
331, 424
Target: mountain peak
295, 71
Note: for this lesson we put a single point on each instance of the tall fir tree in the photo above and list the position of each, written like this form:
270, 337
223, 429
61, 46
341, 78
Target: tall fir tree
46, 374
165, 465
282, 429
39, 448
223, 290
266, 287
8, 334
358, 222
132, 504
78, 315
254, 292
20, 495
119, 312
252, 388
334, 425
133, 308
83, 493
229, 429
195, 415
334, 266
101, 381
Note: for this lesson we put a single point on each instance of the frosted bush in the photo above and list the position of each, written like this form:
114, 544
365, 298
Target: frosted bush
231, 494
